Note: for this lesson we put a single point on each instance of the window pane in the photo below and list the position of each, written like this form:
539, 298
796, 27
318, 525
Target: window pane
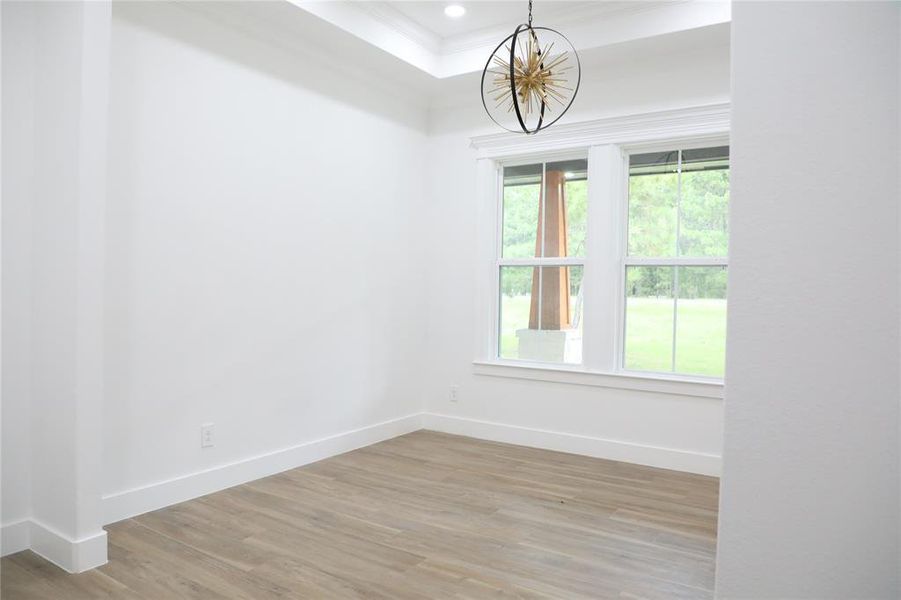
653, 202
516, 293
522, 190
564, 211
566, 204
576, 216
541, 313
701, 321
649, 318
703, 230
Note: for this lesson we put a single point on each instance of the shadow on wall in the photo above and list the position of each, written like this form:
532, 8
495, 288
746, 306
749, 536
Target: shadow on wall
288, 43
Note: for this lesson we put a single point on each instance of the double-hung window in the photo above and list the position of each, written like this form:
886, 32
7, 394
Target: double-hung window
623, 272
675, 262
541, 256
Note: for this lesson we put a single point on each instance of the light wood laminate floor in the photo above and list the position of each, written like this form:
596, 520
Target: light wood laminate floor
425, 515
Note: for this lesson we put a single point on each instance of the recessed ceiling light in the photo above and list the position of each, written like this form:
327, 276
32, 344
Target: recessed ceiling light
454, 11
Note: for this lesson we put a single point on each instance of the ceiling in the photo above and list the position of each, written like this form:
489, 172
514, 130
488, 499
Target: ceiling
391, 52
419, 34
482, 14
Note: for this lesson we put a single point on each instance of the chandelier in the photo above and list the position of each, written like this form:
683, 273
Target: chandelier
531, 78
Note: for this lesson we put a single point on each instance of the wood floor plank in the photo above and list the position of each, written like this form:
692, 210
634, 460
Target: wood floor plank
423, 516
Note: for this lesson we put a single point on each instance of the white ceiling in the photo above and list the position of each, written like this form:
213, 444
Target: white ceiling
484, 14
418, 33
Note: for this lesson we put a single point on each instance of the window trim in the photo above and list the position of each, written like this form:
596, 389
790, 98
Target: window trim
694, 127
697, 387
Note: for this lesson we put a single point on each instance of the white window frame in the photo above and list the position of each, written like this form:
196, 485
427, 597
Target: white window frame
607, 143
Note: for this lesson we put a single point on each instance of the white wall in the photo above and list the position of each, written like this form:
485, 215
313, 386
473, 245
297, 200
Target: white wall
18, 123
263, 270
633, 78
809, 505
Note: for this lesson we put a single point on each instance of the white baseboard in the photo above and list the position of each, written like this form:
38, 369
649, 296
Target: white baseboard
15, 537
129, 503
74, 556
653, 456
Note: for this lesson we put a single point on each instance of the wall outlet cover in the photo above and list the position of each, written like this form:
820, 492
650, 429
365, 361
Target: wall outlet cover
206, 435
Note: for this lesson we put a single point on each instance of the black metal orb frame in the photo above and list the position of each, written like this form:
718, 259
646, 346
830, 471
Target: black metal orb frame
512, 38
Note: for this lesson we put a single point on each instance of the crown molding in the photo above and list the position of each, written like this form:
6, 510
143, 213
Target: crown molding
695, 122
417, 51
588, 25
401, 24
586, 14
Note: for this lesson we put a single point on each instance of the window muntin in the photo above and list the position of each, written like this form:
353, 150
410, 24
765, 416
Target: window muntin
676, 260
541, 255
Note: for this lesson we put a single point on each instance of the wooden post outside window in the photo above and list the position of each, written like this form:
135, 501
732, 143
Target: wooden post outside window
553, 283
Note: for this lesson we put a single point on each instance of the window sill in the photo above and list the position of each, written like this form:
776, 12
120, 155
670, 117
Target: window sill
663, 384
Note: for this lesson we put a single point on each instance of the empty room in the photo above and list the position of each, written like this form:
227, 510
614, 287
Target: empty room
450, 299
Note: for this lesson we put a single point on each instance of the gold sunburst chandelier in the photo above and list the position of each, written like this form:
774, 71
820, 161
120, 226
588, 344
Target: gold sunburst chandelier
530, 79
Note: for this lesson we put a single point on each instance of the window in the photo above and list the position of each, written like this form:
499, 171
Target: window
675, 262
540, 261
626, 275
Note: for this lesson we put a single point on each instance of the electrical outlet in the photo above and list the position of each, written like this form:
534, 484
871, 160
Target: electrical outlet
454, 393
206, 435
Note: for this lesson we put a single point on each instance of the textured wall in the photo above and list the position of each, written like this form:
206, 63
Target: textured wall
809, 504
